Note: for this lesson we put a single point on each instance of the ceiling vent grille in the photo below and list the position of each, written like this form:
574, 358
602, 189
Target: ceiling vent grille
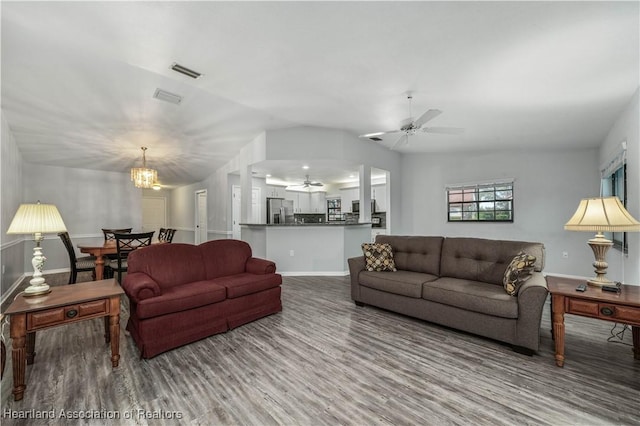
184, 70
163, 95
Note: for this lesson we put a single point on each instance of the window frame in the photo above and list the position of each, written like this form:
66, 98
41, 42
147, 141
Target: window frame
471, 198
615, 184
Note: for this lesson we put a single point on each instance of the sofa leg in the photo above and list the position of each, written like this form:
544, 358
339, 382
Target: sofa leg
523, 350
360, 304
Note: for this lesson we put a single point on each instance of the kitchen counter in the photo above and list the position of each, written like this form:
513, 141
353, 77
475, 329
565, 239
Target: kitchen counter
332, 223
307, 248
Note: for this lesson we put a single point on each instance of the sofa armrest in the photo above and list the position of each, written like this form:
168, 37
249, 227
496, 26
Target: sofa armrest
531, 298
356, 265
140, 286
260, 266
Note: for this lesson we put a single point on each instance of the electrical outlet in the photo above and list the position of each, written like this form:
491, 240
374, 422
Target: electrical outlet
291, 253
565, 254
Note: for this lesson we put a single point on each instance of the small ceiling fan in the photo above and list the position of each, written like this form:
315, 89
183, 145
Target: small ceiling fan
414, 126
308, 183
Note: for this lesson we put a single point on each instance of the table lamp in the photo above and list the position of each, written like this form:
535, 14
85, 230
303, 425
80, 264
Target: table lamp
602, 214
37, 219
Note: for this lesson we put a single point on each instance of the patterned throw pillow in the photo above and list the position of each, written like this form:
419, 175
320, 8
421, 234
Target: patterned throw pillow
518, 272
379, 257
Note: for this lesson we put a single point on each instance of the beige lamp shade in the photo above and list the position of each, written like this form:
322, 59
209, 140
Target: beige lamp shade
602, 214
37, 218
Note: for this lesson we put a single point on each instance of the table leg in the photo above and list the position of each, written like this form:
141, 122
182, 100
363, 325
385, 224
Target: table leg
558, 327
31, 347
114, 321
18, 337
635, 331
107, 329
99, 268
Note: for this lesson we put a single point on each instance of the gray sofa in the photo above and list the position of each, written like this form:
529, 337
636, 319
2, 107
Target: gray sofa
458, 283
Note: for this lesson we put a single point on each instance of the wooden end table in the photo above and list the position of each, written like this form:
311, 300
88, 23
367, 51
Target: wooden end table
623, 307
64, 305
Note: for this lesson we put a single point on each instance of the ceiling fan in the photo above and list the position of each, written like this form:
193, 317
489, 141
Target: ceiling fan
414, 126
308, 183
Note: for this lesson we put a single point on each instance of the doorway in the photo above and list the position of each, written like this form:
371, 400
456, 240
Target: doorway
154, 214
201, 230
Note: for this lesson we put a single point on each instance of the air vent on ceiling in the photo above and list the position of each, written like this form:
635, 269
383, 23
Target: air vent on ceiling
184, 70
163, 95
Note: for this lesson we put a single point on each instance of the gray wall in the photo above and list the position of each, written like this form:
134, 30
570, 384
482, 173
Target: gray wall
626, 267
548, 186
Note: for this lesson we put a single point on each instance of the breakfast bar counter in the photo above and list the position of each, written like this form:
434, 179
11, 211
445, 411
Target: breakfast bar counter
308, 248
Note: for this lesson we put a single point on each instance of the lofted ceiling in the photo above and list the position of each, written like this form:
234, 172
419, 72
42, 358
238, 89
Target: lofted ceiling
78, 78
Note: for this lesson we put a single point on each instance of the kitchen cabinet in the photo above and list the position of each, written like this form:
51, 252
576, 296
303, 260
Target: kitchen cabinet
379, 193
318, 202
276, 191
348, 195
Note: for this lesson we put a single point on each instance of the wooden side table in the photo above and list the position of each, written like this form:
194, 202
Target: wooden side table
623, 307
64, 305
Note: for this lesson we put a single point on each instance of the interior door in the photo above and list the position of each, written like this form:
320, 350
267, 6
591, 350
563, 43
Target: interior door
154, 214
201, 217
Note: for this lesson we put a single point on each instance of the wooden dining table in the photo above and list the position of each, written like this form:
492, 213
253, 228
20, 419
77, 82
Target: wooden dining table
100, 252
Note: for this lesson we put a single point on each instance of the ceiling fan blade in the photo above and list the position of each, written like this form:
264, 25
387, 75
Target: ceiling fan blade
316, 184
444, 130
371, 135
403, 140
429, 115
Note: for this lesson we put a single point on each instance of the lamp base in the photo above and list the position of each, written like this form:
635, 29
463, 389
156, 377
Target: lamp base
600, 245
34, 290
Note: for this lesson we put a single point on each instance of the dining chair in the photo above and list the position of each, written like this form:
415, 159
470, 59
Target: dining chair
82, 264
109, 235
165, 235
125, 244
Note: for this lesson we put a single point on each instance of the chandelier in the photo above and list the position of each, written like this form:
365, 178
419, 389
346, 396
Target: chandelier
143, 177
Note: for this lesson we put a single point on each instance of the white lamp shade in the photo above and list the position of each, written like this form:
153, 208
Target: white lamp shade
602, 214
37, 218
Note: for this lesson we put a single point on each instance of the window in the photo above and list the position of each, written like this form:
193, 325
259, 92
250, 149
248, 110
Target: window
490, 202
615, 184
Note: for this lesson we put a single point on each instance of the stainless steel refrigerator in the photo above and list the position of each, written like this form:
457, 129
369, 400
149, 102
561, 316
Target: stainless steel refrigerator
279, 210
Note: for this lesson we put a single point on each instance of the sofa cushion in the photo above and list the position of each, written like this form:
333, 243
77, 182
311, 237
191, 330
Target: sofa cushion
378, 257
471, 295
181, 298
405, 283
222, 258
415, 253
243, 284
518, 272
168, 264
478, 259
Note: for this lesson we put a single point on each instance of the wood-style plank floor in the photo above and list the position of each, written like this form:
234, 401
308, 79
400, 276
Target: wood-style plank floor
324, 361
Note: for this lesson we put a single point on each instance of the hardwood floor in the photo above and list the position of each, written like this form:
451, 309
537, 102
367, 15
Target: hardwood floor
324, 361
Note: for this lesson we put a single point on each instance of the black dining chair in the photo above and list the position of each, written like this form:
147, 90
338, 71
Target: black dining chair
78, 264
165, 235
125, 244
109, 235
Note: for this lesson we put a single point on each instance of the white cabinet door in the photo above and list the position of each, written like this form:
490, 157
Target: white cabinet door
379, 192
347, 196
318, 202
275, 191
304, 202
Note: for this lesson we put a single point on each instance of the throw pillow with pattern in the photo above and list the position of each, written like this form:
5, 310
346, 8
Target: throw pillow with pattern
378, 257
518, 272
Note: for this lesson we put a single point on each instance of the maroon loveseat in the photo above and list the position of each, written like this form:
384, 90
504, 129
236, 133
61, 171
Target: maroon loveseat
180, 293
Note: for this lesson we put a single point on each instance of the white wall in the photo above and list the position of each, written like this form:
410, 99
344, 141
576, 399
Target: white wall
627, 128
88, 200
12, 247
548, 187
